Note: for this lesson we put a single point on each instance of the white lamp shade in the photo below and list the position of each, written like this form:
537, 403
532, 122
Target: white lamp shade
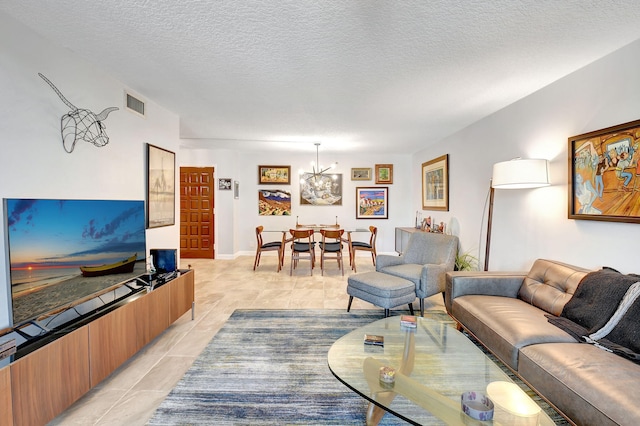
520, 173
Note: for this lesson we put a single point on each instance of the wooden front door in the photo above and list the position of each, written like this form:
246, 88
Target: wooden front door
196, 213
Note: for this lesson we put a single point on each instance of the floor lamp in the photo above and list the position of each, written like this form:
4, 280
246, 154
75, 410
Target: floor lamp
514, 174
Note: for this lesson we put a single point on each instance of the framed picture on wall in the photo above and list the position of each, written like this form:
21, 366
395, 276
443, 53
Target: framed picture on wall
224, 184
604, 174
435, 184
274, 202
372, 202
278, 175
161, 178
361, 173
321, 189
384, 173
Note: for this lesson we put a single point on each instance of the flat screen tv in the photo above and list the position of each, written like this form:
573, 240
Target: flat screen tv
164, 260
63, 251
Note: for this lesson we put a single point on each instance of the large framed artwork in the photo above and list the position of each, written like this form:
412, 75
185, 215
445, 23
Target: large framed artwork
604, 174
161, 178
384, 173
321, 189
435, 184
372, 202
274, 175
274, 202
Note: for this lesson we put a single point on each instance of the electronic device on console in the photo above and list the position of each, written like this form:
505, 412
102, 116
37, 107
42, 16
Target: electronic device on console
165, 262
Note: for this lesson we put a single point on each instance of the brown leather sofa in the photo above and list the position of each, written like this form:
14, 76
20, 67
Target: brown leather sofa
507, 312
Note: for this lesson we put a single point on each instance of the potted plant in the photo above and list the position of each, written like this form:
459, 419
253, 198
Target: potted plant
466, 262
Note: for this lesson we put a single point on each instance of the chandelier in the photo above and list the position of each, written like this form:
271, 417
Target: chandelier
319, 172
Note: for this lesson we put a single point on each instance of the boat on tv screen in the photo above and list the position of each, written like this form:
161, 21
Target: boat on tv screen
63, 251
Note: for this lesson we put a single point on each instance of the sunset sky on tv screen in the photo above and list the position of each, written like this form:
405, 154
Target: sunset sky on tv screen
48, 234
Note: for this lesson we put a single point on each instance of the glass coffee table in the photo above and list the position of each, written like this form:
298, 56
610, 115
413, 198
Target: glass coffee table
434, 365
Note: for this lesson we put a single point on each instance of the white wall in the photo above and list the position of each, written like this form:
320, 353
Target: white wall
530, 224
34, 164
236, 219
527, 224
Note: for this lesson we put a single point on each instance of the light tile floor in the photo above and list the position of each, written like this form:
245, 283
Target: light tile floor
132, 393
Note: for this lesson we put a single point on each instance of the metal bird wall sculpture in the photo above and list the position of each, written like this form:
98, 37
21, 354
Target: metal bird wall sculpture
81, 124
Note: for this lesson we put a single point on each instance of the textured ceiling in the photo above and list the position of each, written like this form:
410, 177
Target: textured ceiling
388, 75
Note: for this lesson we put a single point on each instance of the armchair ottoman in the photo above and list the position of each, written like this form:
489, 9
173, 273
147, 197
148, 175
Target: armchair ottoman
381, 290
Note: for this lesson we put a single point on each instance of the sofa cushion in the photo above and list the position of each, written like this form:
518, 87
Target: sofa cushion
549, 285
505, 324
597, 298
591, 386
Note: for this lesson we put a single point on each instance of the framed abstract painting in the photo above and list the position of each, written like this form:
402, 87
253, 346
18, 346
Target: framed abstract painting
604, 174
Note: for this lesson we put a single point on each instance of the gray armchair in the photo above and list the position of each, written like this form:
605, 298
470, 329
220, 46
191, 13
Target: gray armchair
425, 262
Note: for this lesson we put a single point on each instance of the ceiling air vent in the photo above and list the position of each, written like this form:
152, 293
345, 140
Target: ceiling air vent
135, 105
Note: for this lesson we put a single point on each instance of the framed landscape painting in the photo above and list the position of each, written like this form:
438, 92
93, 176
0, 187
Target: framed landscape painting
604, 174
361, 173
435, 184
161, 178
274, 175
384, 173
274, 202
372, 203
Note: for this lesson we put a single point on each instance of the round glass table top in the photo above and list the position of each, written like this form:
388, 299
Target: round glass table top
434, 365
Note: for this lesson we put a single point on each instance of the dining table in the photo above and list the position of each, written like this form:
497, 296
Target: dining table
316, 229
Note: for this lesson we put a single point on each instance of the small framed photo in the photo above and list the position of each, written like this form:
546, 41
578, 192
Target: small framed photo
361, 173
384, 173
435, 184
604, 174
372, 203
274, 175
224, 184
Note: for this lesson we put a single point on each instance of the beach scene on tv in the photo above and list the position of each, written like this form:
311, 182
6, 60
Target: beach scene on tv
62, 251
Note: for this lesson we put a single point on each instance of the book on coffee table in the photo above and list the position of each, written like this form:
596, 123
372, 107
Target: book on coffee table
373, 339
408, 321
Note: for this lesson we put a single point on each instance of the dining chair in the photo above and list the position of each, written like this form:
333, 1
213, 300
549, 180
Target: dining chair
361, 245
302, 247
270, 246
331, 244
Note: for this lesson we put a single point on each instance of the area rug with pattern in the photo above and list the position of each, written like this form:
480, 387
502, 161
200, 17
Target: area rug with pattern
269, 367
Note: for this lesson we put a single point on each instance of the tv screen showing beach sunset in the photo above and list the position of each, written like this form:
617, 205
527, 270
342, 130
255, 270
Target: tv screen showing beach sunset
61, 251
